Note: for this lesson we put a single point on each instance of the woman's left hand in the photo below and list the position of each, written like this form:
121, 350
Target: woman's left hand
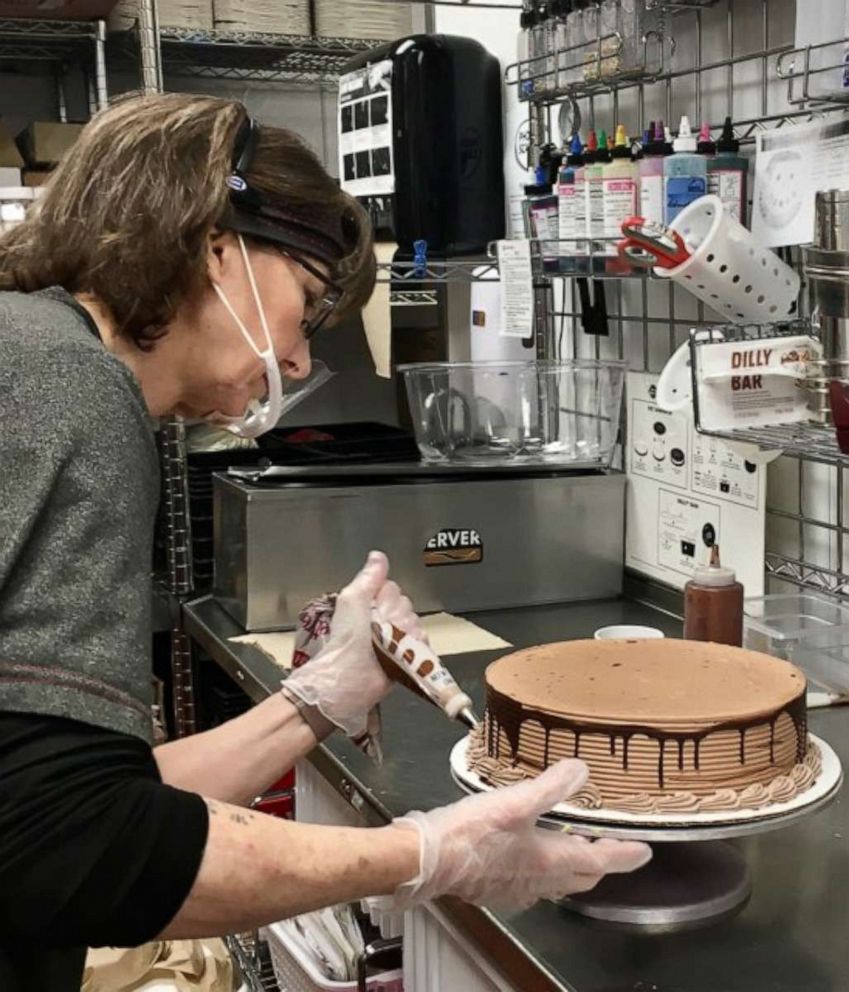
344, 681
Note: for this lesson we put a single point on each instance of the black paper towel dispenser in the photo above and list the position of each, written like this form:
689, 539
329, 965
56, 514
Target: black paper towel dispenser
420, 142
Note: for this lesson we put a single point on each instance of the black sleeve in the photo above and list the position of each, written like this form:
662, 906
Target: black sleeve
94, 849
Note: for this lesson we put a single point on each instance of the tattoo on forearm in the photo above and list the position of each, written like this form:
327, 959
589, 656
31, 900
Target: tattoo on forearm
242, 819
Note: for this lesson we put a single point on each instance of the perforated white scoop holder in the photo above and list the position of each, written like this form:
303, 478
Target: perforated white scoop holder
727, 268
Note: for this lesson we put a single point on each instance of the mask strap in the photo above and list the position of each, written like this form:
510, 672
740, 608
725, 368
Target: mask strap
255, 292
260, 309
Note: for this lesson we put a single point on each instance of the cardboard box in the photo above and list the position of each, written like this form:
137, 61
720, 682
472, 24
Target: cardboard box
10, 177
10, 157
57, 10
36, 177
12, 194
47, 142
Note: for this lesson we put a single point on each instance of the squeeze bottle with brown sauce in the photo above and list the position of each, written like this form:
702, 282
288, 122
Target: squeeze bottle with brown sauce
713, 604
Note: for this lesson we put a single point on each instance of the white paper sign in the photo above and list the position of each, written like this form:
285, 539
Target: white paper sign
517, 291
750, 383
683, 523
687, 492
792, 164
366, 159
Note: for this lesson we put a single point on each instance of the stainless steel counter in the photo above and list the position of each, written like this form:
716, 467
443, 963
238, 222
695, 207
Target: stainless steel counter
791, 937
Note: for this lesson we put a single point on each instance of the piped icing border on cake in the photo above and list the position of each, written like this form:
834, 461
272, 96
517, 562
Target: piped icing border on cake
783, 788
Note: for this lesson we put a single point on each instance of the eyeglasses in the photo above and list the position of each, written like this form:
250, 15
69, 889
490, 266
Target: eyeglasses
322, 309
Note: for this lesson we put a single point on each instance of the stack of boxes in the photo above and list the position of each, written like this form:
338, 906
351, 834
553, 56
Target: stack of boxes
263, 16
369, 19
193, 15
26, 162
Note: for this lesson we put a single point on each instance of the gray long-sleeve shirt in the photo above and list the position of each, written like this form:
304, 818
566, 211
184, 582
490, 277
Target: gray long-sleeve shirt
79, 488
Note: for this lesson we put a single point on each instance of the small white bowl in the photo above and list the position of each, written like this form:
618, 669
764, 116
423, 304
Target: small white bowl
627, 632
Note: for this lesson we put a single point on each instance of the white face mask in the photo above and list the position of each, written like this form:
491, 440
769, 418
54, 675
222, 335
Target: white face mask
260, 415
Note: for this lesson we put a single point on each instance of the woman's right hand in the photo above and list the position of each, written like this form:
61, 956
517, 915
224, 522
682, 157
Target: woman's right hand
488, 850
344, 680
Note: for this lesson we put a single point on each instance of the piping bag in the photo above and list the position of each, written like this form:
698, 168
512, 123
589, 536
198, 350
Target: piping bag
404, 659
417, 666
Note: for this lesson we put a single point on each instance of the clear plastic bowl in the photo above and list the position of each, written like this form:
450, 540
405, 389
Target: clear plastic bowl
523, 413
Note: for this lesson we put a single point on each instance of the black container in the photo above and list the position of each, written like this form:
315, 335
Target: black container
333, 444
421, 142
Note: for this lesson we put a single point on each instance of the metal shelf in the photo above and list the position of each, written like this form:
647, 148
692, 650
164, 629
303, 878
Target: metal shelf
811, 441
242, 56
28, 41
806, 575
253, 960
592, 265
454, 270
808, 442
798, 67
672, 6
801, 66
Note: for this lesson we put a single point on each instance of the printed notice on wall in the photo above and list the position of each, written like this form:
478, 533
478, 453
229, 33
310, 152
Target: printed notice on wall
792, 164
366, 163
517, 290
684, 525
687, 492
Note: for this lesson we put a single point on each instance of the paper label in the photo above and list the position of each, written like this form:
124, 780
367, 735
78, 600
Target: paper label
687, 492
651, 198
545, 225
517, 294
515, 216
727, 184
595, 220
718, 471
620, 203
582, 203
566, 218
680, 193
742, 384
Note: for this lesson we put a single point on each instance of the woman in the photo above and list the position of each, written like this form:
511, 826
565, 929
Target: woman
178, 264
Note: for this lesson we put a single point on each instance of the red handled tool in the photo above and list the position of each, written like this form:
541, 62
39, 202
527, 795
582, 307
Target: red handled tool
648, 244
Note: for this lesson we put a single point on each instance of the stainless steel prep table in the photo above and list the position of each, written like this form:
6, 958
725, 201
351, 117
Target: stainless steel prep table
791, 937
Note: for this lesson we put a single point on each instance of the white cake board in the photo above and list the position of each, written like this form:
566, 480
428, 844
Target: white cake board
685, 885
675, 827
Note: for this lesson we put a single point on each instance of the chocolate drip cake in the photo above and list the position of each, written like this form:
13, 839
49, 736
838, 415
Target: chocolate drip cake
664, 725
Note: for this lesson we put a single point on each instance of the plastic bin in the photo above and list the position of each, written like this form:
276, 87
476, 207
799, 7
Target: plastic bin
295, 971
824, 659
780, 624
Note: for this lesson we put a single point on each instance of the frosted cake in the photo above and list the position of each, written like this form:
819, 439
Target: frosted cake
664, 725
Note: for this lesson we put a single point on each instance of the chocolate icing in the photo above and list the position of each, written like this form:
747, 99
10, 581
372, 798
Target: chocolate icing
508, 715
781, 788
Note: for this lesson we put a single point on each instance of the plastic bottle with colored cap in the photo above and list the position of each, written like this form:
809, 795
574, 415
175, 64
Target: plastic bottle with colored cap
651, 174
706, 145
728, 173
594, 172
619, 181
713, 604
684, 172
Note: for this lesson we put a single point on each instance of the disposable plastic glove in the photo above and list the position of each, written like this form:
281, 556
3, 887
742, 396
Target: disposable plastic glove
487, 849
345, 680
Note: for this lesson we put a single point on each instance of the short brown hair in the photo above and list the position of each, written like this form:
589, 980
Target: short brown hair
127, 213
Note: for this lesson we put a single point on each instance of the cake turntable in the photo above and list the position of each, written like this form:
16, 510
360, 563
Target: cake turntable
695, 878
